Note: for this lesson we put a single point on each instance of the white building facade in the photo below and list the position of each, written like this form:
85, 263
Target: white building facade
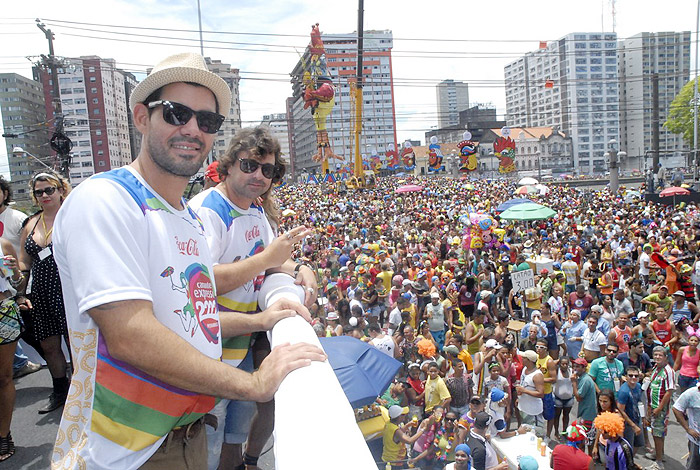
666, 54
231, 110
278, 125
452, 97
571, 83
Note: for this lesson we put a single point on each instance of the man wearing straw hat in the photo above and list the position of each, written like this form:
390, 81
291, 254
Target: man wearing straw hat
140, 298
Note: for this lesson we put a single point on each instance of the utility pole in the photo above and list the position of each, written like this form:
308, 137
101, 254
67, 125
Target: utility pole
655, 120
60, 143
358, 169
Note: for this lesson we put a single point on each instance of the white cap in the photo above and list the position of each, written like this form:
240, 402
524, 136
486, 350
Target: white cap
492, 343
485, 293
395, 411
642, 314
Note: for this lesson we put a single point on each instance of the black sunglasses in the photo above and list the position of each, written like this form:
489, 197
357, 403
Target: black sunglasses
177, 114
49, 191
269, 170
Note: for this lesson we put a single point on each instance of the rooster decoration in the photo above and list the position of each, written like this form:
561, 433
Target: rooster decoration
434, 156
392, 158
467, 155
319, 96
408, 156
504, 150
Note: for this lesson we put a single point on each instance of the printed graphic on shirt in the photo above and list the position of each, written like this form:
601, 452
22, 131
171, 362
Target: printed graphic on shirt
200, 309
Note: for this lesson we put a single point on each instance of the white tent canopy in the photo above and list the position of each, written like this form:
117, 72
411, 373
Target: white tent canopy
527, 181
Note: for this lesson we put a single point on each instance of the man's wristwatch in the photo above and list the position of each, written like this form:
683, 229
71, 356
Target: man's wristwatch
297, 268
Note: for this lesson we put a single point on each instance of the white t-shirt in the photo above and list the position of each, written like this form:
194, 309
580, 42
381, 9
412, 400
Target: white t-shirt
394, 319
234, 234
115, 239
385, 345
644, 261
11, 226
436, 322
593, 341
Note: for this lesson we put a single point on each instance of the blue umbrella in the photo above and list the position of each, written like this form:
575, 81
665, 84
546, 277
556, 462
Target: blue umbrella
512, 202
363, 371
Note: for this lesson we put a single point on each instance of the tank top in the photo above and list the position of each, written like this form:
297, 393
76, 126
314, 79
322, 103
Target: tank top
551, 330
680, 312
526, 403
662, 330
605, 288
476, 345
393, 451
689, 364
542, 366
563, 389
386, 345
622, 338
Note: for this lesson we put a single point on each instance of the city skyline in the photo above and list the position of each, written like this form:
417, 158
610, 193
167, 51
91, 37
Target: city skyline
266, 47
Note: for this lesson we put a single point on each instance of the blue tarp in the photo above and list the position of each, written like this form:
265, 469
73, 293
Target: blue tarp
512, 202
363, 371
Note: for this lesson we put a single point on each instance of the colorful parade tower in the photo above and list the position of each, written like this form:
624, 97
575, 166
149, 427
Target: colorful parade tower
319, 96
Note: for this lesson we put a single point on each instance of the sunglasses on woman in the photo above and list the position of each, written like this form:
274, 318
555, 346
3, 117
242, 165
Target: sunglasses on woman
269, 170
177, 114
49, 191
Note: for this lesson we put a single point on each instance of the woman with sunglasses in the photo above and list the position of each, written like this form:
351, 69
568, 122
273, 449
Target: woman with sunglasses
44, 290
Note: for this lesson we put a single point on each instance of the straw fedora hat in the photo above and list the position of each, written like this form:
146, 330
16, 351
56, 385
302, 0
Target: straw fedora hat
186, 67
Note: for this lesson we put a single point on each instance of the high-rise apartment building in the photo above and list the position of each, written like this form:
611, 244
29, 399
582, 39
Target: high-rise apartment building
666, 54
378, 111
232, 110
452, 97
24, 123
93, 93
571, 83
278, 125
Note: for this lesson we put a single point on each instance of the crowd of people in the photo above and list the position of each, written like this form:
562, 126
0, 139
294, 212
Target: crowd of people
610, 326
607, 331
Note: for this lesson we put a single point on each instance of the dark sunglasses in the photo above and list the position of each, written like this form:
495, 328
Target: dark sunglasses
450, 419
49, 191
612, 350
177, 114
269, 170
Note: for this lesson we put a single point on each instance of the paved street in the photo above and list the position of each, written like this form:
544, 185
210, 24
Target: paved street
34, 434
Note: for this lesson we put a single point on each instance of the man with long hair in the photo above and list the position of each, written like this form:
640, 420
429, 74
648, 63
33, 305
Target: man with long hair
240, 219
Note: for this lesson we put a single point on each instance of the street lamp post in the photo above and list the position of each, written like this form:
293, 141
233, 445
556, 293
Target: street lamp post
19, 152
614, 165
538, 156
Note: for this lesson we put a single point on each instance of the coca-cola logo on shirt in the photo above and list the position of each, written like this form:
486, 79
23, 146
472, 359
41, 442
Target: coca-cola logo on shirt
187, 247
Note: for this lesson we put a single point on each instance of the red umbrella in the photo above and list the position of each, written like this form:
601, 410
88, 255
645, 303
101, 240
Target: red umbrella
673, 191
409, 188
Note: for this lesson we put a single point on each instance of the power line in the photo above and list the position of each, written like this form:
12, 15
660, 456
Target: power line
324, 36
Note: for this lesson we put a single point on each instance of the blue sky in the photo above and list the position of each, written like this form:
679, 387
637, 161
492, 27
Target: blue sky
505, 29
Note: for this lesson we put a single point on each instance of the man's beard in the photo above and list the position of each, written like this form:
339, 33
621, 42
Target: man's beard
178, 167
